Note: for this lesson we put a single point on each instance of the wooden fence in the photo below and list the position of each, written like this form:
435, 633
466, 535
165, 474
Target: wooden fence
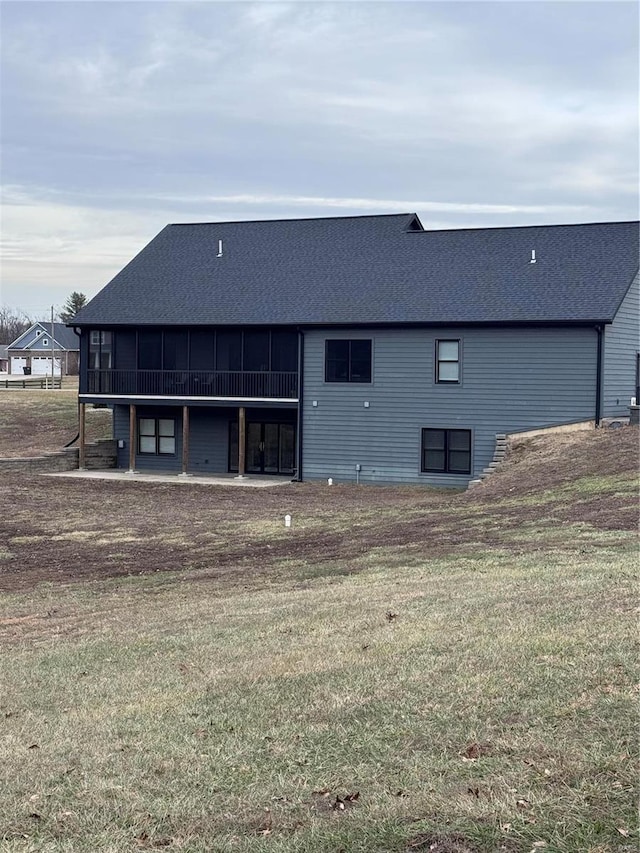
31, 382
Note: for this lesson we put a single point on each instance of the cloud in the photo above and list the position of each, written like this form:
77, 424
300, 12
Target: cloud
120, 117
53, 243
50, 248
374, 204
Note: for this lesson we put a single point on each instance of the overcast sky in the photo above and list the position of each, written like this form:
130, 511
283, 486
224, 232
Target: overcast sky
119, 117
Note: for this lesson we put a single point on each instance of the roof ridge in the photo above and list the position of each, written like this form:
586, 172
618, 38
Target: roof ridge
516, 227
296, 219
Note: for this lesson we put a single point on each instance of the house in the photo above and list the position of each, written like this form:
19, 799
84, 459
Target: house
4, 359
33, 350
359, 348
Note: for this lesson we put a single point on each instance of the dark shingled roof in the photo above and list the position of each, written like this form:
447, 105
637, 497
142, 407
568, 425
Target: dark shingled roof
370, 269
63, 335
66, 337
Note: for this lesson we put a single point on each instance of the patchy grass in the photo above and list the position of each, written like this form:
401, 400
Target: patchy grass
488, 699
402, 670
36, 421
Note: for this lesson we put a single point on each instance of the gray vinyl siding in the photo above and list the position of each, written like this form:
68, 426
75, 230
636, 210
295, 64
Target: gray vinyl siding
208, 436
208, 441
148, 462
621, 345
121, 433
512, 380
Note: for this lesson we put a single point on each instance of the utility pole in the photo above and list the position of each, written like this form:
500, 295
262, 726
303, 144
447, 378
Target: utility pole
53, 350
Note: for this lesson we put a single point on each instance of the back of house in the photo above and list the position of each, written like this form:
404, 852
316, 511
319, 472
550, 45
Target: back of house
360, 348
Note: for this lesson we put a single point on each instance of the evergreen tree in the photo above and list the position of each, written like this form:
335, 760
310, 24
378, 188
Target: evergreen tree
71, 307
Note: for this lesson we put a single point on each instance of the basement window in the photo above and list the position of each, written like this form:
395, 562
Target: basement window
157, 436
446, 451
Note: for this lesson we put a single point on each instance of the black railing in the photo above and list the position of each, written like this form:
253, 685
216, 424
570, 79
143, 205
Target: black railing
192, 383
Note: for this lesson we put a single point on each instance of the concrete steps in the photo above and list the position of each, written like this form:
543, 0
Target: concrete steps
499, 455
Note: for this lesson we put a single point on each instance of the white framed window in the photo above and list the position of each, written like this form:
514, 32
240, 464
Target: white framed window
157, 436
45, 342
448, 361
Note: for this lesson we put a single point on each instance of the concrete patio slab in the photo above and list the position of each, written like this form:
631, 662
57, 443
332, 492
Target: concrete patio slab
254, 481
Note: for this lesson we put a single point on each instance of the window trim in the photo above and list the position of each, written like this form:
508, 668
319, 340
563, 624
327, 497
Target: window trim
438, 361
156, 436
348, 380
446, 470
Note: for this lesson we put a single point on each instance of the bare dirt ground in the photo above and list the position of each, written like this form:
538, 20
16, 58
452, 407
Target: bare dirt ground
551, 490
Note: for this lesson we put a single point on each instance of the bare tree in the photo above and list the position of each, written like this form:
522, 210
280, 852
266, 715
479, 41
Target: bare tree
12, 324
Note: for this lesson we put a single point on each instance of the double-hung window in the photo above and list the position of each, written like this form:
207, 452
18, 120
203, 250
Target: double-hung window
348, 360
448, 362
446, 451
157, 436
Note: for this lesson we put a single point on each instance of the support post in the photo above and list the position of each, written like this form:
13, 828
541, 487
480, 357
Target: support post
132, 439
242, 433
53, 354
185, 439
81, 433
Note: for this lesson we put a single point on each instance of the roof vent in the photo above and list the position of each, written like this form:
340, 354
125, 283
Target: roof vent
219, 255
533, 256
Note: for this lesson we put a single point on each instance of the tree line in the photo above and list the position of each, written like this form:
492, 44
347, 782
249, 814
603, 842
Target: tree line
14, 322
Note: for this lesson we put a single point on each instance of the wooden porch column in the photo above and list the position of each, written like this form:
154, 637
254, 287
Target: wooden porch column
242, 432
81, 431
185, 439
132, 439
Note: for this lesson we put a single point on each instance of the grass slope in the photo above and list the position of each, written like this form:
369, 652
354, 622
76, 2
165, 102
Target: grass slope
402, 670
35, 421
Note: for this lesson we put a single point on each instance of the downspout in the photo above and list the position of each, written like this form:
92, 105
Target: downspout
599, 377
78, 332
300, 396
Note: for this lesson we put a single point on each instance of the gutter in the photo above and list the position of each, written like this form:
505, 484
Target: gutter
300, 399
599, 373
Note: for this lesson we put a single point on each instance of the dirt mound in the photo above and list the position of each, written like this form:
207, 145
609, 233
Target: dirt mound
553, 490
547, 461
